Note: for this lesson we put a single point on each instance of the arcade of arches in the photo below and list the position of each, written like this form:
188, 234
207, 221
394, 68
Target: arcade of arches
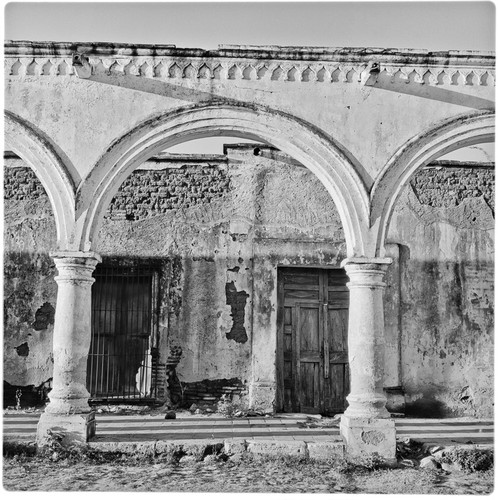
260, 273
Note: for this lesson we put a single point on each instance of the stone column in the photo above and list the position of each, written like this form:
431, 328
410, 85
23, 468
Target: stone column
365, 425
68, 412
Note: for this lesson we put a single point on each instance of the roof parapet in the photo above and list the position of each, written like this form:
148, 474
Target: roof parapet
24, 48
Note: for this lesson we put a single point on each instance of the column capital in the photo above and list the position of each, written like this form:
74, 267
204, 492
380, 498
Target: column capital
75, 266
75, 255
364, 272
366, 263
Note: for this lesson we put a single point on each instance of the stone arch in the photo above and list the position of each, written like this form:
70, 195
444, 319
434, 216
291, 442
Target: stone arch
24, 140
448, 136
334, 167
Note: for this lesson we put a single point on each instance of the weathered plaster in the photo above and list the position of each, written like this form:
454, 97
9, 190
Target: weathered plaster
29, 234
241, 230
340, 112
447, 312
147, 78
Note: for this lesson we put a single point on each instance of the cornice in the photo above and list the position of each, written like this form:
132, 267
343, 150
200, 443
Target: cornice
246, 62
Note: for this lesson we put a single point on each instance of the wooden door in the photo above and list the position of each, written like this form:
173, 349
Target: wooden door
312, 360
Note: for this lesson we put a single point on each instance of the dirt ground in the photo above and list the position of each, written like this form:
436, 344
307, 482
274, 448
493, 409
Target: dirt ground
245, 475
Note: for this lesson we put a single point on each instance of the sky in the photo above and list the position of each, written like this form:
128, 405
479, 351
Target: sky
425, 25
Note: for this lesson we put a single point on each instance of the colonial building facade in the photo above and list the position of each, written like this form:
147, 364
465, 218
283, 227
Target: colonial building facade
337, 270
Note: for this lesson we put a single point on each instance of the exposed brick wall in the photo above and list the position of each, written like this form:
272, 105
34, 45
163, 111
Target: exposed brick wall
448, 187
205, 392
146, 193
21, 184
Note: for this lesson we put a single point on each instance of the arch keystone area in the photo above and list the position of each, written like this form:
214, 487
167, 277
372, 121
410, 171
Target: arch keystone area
327, 160
25, 141
448, 136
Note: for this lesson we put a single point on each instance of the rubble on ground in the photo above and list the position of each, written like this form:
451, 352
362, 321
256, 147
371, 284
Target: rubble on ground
469, 458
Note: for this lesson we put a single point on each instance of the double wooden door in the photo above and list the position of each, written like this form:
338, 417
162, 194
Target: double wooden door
312, 357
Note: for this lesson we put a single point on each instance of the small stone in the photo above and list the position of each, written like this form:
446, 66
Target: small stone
408, 462
169, 415
193, 407
435, 449
187, 459
198, 411
210, 458
428, 463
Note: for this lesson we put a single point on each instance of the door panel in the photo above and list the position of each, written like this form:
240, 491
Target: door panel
312, 369
310, 388
309, 337
309, 334
335, 401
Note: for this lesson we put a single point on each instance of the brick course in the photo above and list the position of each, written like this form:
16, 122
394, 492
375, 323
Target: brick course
146, 193
22, 184
448, 187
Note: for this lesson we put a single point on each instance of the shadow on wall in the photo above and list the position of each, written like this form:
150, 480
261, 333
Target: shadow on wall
428, 408
447, 313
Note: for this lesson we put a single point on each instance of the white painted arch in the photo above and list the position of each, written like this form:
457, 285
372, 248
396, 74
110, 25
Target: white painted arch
420, 150
328, 161
25, 141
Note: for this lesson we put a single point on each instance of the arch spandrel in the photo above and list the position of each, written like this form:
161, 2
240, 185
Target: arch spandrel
24, 140
369, 100
444, 138
298, 139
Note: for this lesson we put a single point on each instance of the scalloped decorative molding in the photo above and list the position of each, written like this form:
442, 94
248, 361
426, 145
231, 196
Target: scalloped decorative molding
168, 69
241, 63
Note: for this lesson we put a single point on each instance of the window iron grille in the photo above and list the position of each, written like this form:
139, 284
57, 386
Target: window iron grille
123, 356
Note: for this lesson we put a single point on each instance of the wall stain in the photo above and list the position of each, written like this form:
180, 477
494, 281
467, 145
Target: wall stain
22, 350
44, 316
237, 301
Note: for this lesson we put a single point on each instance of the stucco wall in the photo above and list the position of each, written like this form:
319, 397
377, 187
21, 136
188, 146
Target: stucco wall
29, 287
444, 223
221, 226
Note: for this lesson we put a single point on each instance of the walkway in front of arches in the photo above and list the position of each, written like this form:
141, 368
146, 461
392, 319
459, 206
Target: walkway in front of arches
116, 430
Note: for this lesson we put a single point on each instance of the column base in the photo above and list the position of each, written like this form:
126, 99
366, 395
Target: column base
368, 436
76, 428
262, 396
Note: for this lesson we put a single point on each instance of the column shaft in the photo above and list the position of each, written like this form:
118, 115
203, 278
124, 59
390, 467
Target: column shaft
71, 344
366, 337
365, 425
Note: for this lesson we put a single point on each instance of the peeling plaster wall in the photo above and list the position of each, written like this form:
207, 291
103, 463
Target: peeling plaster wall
220, 228
447, 291
30, 291
206, 253
254, 197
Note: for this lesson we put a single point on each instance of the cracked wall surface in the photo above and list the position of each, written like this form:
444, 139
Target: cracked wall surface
222, 226
29, 234
447, 291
